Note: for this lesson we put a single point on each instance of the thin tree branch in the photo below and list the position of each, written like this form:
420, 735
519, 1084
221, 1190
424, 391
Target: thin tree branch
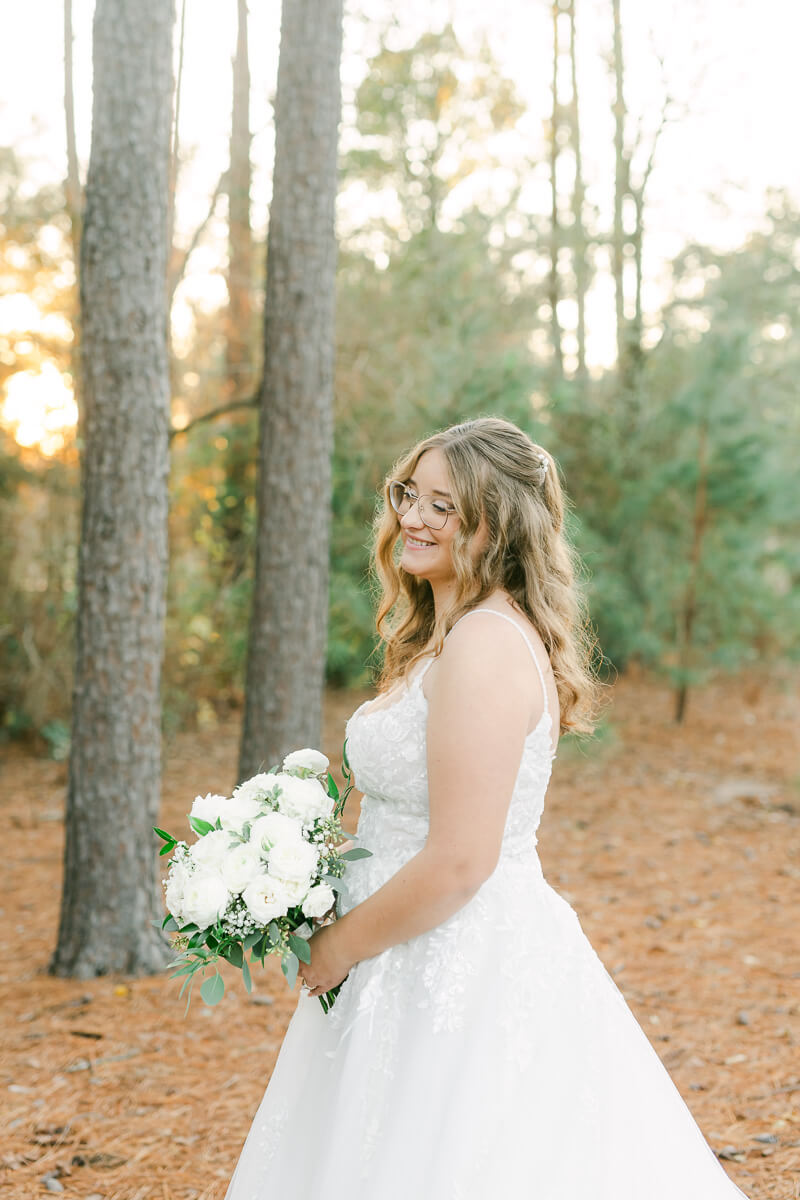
73, 180
173, 159
182, 259
212, 414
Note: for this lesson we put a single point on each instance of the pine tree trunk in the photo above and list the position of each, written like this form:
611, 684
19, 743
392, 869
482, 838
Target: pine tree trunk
110, 892
240, 238
578, 197
554, 282
286, 654
620, 190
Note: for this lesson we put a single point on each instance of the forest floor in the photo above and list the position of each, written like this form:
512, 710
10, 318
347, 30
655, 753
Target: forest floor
678, 847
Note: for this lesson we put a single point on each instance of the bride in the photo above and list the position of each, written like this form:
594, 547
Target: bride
478, 1047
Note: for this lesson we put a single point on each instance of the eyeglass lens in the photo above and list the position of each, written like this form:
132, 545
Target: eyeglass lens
432, 513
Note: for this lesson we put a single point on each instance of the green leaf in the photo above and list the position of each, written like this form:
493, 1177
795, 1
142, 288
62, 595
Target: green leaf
333, 882
356, 852
167, 849
300, 947
289, 966
200, 826
165, 837
213, 990
246, 976
273, 929
252, 939
233, 953
169, 923
332, 788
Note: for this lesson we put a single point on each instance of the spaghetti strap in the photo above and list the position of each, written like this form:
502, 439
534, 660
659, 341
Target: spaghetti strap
520, 630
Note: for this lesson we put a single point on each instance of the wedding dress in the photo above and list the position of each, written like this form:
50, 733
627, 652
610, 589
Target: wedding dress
491, 1057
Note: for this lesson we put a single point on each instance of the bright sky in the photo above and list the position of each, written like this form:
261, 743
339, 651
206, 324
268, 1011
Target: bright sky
729, 64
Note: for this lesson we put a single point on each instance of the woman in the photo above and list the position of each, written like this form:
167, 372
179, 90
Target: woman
478, 1047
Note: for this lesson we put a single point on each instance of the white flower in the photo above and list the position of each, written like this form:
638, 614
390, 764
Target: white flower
305, 799
205, 898
211, 851
239, 810
311, 760
293, 860
258, 787
294, 889
240, 865
318, 900
265, 898
274, 827
209, 807
175, 886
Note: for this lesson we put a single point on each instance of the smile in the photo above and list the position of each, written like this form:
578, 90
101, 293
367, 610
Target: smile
419, 545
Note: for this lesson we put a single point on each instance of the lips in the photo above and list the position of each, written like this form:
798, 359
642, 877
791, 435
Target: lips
417, 543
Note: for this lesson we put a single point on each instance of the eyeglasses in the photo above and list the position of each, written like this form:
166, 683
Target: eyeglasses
432, 512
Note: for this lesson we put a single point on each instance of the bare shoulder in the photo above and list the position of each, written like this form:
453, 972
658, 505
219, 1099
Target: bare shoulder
484, 646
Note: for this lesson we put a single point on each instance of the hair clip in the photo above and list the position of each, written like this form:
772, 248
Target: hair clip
544, 463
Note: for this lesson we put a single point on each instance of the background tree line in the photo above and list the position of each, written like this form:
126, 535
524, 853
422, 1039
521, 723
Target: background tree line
679, 461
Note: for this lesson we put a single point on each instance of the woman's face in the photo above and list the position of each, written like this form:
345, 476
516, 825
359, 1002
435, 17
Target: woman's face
427, 552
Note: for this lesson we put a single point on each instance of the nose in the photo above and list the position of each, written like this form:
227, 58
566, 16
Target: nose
412, 519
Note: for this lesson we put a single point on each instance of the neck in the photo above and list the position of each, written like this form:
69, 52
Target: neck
444, 595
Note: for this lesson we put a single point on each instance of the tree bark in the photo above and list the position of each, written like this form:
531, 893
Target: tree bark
240, 238
578, 198
110, 893
554, 288
288, 631
620, 191
687, 617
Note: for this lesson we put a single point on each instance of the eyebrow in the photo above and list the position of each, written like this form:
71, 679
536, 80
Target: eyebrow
435, 491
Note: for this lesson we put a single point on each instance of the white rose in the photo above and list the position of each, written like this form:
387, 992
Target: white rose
274, 827
205, 898
210, 852
258, 787
239, 810
310, 760
318, 900
175, 886
265, 898
293, 860
209, 807
294, 889
240, 865
305, 799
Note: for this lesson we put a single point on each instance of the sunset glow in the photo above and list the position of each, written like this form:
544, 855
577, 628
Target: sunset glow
39, 409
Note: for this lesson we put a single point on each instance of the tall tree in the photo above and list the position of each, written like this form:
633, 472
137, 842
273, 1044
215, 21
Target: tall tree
554, 290
240, 238
286, 654
621, 185
579, 248
110, 892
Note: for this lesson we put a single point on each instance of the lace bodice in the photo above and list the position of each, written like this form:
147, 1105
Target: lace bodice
387, 749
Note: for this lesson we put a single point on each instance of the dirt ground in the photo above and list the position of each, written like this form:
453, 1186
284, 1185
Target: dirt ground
679, 848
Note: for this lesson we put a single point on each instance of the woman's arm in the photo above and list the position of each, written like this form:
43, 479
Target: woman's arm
479, 710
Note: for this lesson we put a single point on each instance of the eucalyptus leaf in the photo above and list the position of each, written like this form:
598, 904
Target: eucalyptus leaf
300, 947
213, 990
289, 966
246, 976
356, 852
233, 953
332, 881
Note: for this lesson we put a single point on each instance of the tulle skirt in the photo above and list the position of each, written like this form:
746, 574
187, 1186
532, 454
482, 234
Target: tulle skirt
491, 1057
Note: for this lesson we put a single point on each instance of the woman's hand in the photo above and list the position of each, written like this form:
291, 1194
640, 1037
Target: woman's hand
328, 966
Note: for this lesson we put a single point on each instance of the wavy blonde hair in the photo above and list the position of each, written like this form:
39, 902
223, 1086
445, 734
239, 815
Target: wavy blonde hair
497, 474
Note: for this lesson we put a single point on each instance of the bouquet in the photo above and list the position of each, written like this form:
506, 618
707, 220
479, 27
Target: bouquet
262, 874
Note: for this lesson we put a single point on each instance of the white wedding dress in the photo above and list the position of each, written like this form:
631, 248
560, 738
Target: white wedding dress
492, 1057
